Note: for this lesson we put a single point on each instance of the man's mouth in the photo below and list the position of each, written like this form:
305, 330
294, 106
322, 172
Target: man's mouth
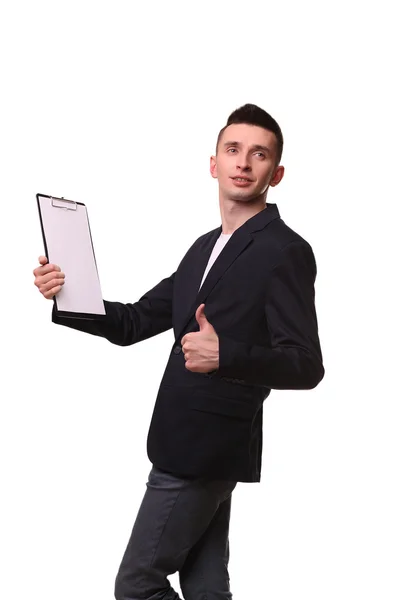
241, 181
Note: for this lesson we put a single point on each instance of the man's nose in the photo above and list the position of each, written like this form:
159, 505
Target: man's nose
243, 163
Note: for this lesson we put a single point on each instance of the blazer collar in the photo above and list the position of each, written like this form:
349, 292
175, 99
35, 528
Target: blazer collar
261, 219
237, 243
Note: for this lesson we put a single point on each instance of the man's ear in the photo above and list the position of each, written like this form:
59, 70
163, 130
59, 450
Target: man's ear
279, 173
213, 167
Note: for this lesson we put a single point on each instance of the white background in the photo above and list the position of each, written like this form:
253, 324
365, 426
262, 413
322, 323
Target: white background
118, 105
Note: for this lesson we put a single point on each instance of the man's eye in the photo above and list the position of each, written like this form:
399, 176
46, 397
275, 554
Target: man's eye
229, 149
261, 154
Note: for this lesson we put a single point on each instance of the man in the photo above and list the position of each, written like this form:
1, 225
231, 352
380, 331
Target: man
241, 304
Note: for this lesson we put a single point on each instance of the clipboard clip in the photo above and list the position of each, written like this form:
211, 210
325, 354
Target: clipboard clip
63, 203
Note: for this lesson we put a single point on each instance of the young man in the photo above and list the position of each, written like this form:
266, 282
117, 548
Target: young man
241, 304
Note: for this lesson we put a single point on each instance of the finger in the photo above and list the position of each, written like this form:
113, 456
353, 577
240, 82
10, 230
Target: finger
42, 261
187, 346
191, 366
51, 284
50, 276
49, 280
201, 317
188, 337
39, 271
52, 292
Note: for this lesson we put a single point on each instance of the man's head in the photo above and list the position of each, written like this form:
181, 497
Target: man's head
249, 147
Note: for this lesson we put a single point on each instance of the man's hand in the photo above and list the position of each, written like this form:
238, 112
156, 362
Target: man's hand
48, 278
201, 348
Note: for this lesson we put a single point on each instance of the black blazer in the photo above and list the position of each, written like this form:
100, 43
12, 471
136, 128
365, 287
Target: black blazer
259, 296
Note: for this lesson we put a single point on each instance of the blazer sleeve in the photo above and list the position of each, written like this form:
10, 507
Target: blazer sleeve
127, 324
291, 358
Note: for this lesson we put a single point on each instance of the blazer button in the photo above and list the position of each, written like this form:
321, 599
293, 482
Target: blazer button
177, 350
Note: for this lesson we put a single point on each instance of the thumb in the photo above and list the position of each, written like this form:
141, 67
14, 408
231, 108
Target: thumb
201, 317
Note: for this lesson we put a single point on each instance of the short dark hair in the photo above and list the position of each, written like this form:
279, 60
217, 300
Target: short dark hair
254, 115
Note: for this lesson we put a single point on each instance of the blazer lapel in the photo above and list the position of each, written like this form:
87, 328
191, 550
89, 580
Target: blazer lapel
239, 241
198, 265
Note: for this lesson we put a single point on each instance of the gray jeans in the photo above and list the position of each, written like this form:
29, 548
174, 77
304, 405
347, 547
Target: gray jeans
182, 525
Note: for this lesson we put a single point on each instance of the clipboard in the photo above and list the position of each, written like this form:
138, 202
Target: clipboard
68, 243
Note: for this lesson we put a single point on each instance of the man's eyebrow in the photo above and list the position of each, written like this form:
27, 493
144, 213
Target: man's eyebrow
255, 147
260, 147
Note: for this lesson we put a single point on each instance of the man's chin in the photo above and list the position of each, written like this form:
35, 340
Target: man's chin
243, 197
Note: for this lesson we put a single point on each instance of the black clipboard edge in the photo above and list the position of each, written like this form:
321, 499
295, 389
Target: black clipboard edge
64, 313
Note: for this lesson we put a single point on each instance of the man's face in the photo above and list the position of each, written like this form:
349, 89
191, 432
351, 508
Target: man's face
245, 162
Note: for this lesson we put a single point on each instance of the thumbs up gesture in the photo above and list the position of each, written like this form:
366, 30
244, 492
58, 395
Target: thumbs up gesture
201, 348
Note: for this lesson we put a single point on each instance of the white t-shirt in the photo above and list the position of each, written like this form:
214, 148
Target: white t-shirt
219, 244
